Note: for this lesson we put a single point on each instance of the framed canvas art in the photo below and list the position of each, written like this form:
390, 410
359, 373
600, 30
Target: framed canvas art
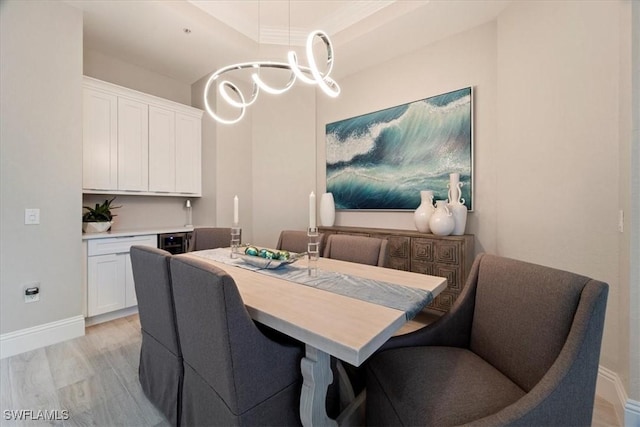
382, 160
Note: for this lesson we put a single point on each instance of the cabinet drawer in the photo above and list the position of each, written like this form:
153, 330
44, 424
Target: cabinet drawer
422, 250
398, 246
115, 245
448, 252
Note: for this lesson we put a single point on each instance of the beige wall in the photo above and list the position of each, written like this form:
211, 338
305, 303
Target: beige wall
547, 81
234, 173
204, 208
41, 161
105, 67
284, 168
634, 219
558, 144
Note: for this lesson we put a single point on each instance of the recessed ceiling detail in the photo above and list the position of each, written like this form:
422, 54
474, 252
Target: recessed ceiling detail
289, 22
149, 33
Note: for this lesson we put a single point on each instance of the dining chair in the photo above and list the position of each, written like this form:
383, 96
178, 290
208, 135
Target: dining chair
359, 249
520, 346
160, 371
234, 374
209, 238
296, 241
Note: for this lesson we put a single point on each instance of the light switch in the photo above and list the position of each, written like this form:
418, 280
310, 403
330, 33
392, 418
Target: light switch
32, 216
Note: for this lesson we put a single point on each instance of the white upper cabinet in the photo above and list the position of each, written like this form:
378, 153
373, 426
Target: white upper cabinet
174, 152
133, 145
162, 150
134, 142
100, 136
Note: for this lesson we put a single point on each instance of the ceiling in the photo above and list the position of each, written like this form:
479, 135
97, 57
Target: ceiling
152, 35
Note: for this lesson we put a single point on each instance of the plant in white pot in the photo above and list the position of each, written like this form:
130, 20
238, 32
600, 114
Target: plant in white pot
98, 219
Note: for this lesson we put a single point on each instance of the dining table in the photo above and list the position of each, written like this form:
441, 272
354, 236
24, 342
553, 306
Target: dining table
336, 308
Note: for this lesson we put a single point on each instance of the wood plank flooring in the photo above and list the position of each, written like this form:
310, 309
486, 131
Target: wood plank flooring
95, 378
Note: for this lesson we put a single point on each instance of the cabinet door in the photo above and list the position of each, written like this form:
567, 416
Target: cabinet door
188, 154
133, 145
162, 150
129, 286
99, 140
106, 290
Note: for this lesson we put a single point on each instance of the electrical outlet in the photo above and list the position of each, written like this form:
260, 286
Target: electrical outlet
31, 292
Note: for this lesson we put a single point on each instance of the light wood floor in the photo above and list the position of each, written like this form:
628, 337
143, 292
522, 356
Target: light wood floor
95, 378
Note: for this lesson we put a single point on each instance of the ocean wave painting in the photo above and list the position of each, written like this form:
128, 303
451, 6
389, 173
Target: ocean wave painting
382, 160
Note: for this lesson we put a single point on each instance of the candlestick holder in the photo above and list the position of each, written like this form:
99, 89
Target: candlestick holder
313, 251
235, 240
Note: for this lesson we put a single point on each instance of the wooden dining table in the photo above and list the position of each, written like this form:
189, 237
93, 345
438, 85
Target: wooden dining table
329, 324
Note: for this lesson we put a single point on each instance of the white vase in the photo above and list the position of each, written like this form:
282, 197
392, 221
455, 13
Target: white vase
455, 188
459, 212
456, 204
422, 215
327, 210
442, 222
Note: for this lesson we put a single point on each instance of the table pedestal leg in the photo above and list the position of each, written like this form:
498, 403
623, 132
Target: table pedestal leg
317, 375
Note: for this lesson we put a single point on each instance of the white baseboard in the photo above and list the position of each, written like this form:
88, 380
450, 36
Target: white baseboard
632, 413
112, 315
28, 339
610, 388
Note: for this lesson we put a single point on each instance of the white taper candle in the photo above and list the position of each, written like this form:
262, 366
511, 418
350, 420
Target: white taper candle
312, 210
235, 211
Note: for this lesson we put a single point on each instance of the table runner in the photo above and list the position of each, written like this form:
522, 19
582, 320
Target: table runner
399, 297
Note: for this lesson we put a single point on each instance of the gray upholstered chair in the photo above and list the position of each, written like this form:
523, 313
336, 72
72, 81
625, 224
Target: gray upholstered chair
296, 241
233, 373
520, 346
161, 370
360, 249
209, 238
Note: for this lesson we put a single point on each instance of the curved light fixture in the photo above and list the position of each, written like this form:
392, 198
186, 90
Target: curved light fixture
310, 74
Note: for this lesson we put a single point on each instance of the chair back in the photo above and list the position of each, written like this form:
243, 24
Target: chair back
222, 345
152, 281
524, 312
296, 241
209, 238
359, 249
161, 371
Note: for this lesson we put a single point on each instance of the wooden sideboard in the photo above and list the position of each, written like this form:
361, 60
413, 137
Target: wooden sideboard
445, 256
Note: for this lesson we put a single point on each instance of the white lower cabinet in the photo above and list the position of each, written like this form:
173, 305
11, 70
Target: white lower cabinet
110, 284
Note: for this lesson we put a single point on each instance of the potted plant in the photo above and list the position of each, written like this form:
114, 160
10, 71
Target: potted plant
98, 219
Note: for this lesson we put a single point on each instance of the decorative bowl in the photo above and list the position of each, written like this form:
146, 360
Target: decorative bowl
270, 263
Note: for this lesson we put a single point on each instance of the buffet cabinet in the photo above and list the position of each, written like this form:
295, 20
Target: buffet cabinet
110, 284
444, 256
138, 143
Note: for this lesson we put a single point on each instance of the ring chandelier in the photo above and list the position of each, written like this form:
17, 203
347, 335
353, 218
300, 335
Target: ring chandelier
309, 74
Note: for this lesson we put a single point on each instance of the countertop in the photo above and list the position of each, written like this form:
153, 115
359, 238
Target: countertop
123, 232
